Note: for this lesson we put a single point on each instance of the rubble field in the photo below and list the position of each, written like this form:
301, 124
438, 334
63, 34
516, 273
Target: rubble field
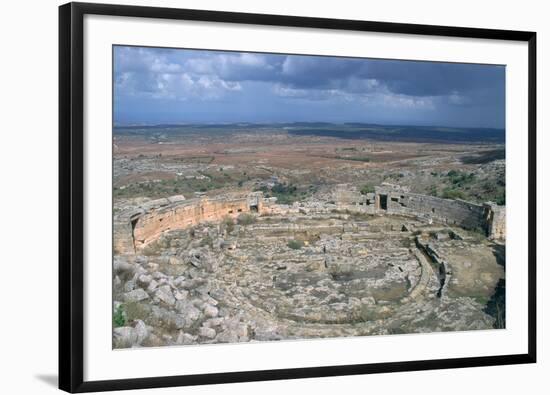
306, 274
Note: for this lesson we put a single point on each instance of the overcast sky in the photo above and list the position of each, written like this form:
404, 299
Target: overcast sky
157, 86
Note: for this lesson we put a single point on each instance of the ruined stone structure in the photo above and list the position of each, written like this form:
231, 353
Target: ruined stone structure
136, 228
315, 269
394, 199
496, 221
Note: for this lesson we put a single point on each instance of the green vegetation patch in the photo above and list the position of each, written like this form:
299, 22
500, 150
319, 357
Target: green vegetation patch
128, 312
287, 193
452, 193
463, 185
460, 178
295, 244
119, 318
367, 188
246, 219
353, 158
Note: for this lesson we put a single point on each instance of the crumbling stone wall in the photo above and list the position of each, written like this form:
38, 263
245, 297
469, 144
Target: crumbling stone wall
394, 199
496, 221
349, 198
136, 228
123, 242
133, 229
452, 212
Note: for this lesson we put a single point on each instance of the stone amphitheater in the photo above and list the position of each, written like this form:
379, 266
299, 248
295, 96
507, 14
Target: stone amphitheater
244, 268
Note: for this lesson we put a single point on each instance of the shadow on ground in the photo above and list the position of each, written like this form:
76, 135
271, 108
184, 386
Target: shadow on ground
50, 379
496, 306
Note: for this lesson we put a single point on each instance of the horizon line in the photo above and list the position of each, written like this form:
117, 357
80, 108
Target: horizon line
123, 125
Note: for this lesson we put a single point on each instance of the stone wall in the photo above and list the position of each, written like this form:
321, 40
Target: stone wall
451, 212
393, 199
136, 228
496, 221
349, 198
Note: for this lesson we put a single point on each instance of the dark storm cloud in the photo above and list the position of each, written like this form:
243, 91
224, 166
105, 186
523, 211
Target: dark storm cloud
400, 77
435, 79
423, 90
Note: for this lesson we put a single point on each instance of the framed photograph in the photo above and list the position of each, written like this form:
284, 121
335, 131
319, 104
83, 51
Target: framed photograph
250, 197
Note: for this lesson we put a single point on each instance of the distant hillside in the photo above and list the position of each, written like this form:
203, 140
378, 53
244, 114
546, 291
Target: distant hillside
404, 133
350, 131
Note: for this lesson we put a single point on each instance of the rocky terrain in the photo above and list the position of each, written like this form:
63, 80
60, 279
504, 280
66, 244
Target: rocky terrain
319, 251
275, 277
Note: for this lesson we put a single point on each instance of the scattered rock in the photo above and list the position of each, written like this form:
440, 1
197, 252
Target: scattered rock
153, 266
368, 300
145, 279
266, 291
207, 332
186, 338
210, 311
136, 295
181, 295
174, 260
189, 312
164, 294
141, 331
124, 337
120, 265
141, 259
129, 286
152, 285
213, 322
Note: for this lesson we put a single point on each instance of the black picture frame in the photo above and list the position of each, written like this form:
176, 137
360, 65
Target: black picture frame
71, 205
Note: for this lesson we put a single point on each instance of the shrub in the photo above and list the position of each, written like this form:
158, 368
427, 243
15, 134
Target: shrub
449, 193
295, 244
246, 219
228, 223
367, 189
356, 158
460, 178
285, 193
452, 173
119, 318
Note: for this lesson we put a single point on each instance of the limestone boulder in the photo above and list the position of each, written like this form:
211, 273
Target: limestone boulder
203, 259
207, 332
164, 294
210, 311
186, 338
152, 285
141, 331
124, 337
136, 295
188, 312
144, 279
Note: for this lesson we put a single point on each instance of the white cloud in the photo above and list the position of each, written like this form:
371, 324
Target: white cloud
456, 98
154, 74
160, 66
404, 101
